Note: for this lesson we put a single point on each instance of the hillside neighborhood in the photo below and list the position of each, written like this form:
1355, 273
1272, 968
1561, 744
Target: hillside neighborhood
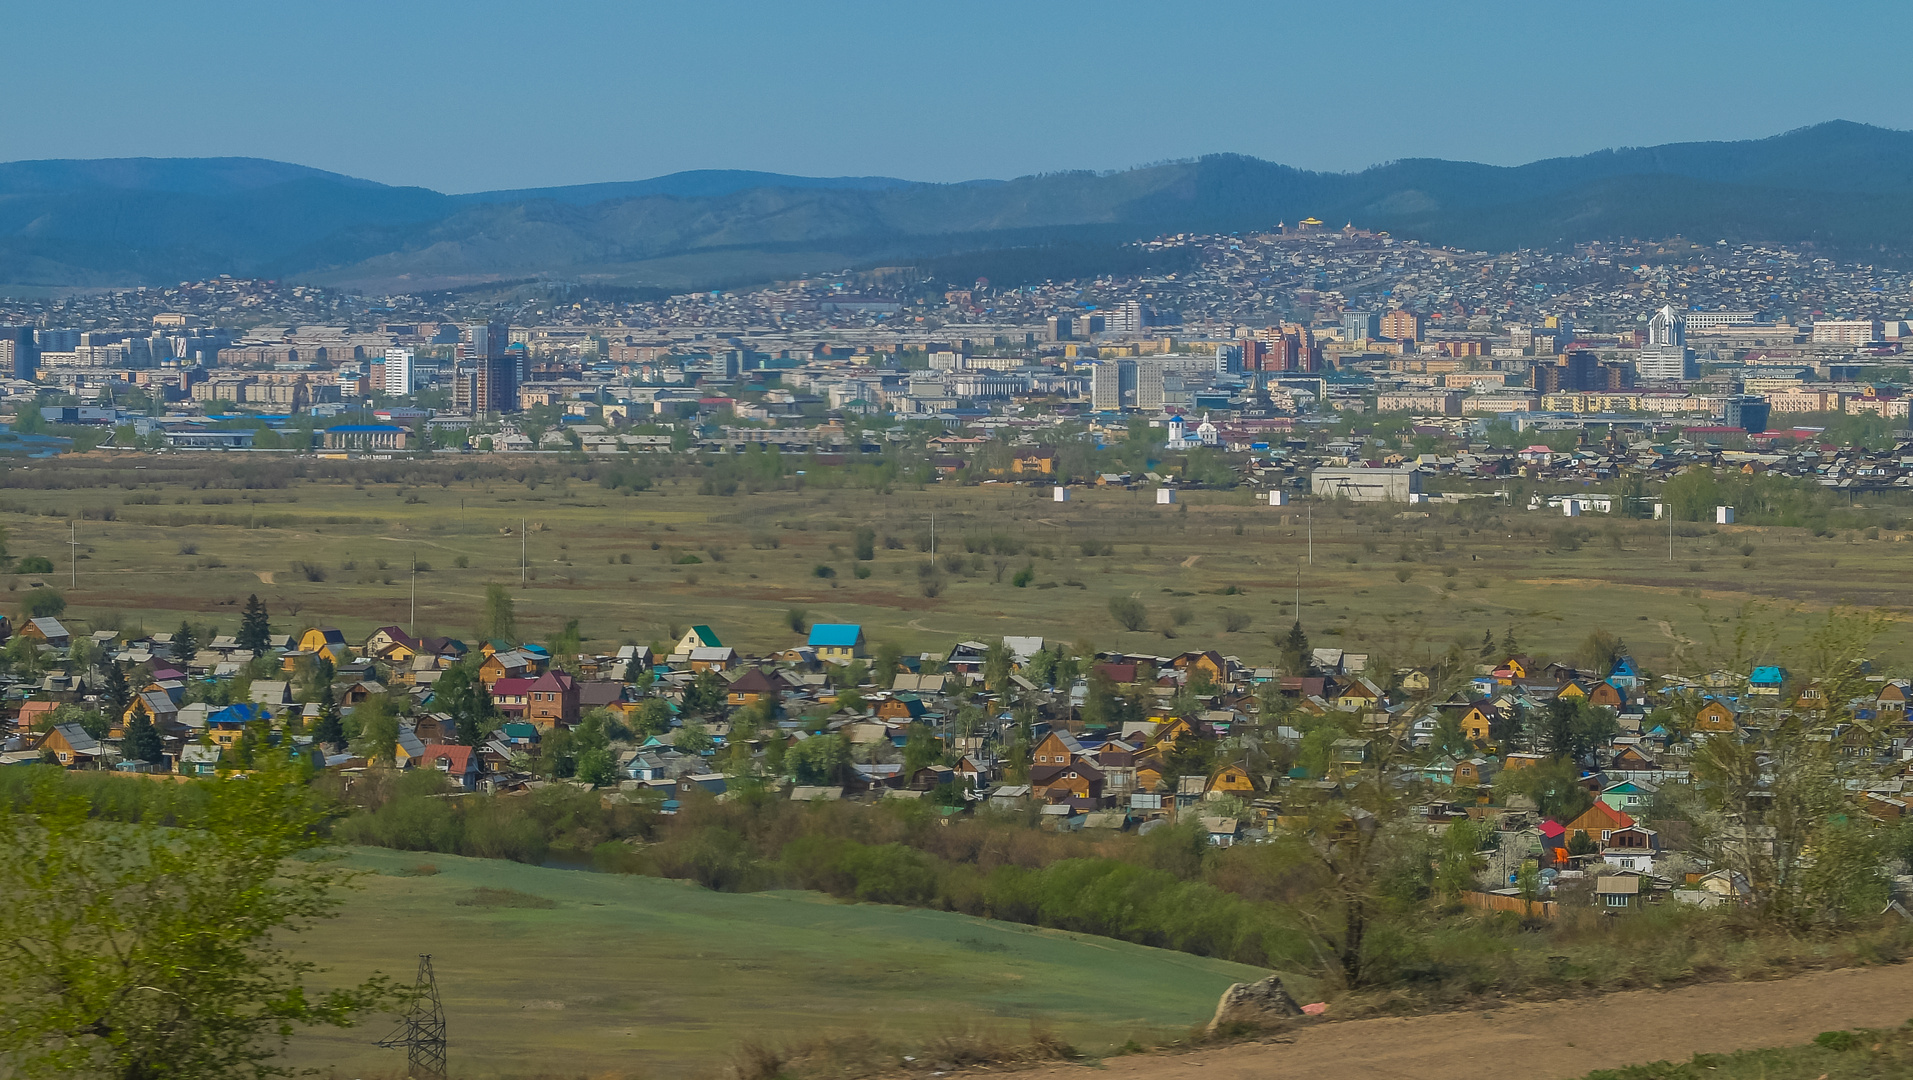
1568, 768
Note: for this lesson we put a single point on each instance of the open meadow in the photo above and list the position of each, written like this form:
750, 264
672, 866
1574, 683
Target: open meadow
332, 542
621, 975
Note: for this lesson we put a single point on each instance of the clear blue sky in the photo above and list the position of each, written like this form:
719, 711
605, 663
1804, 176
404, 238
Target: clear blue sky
478, 94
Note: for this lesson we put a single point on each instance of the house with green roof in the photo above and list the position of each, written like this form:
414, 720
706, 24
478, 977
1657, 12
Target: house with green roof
698, 637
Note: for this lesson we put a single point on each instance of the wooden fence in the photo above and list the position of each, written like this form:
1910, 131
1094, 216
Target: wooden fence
1497, 902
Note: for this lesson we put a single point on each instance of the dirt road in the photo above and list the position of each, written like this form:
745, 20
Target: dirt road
1552, 1040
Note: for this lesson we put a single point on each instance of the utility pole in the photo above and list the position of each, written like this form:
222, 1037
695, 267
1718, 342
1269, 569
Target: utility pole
73, 553
1311, 534
521, 553
1298, 593
933, 536
414, 590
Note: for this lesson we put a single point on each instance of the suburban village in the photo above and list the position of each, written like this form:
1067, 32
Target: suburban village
1565, 768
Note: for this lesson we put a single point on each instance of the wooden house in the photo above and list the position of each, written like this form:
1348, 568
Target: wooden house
48, 631
904, 707
1056, 749
72, 747
1891, 702
721, 658
392, 645
1606, 695
837, 643
511, 696
1598, 822
756, 684
1619, 892
1474, 772
1232, 780
509, 664
1078, 785
328, 639
1716, 716
698, 637
459, 763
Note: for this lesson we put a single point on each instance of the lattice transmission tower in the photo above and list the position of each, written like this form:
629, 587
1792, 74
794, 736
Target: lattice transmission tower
422, 1031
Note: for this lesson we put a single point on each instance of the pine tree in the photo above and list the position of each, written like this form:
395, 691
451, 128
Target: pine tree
1487, 644
142, 741
1295, 650
255, 630
117, 695
329, 732
185, 644
1508, 647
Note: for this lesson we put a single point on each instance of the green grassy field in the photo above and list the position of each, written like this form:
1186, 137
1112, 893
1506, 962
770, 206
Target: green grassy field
1834, 1055
1398, 584
635, 975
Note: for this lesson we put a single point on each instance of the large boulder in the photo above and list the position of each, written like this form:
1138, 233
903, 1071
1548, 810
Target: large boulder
1255, 1004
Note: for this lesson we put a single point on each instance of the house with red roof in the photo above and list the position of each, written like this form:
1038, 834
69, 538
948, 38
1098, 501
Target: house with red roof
553, 700
511, 696
1599, 822
460, 763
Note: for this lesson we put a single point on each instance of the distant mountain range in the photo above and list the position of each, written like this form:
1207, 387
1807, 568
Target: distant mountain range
1846, 188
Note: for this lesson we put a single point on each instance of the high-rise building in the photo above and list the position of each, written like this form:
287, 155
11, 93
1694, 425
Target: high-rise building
1254, 353
1127, 317
1228, 358
1666, 355
487, 374
1846, 331
1667, 327
1360, 325
1747, 412
23, 356
1112, 384
1401, 325
399, 376
1149, 385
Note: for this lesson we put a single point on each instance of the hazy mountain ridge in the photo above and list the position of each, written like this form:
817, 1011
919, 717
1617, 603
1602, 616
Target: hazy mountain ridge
1845, 186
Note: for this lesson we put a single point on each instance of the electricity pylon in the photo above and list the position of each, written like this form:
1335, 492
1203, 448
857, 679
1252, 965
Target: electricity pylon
422, 1031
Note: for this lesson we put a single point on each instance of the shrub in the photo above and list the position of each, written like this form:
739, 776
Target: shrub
822, 571
1128, 612
1022, 578
44, 604
309, 570
34, 564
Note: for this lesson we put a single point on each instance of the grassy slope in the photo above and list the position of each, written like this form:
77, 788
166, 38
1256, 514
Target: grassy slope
1835, 1055
632, 974
1166, 557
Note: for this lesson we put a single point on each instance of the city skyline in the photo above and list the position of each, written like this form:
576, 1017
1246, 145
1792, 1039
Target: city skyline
604, 93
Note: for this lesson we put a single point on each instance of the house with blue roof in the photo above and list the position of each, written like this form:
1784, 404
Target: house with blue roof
1766, 681
1625, 675
837, 643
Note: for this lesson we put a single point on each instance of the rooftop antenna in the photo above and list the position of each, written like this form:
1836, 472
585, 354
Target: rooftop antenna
422, 1030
